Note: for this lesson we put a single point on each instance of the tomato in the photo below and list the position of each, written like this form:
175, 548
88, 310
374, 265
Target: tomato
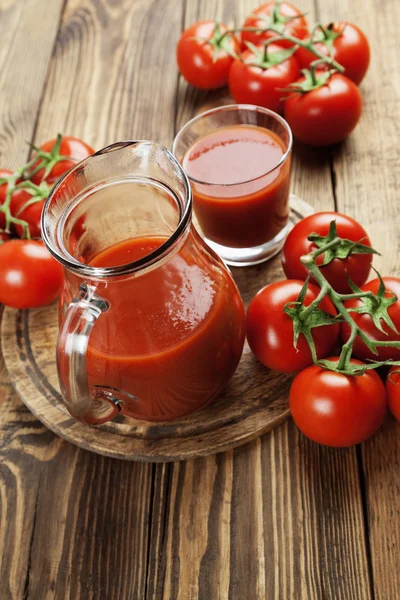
32, 214
4, 237
199, 63
366, 324
3, 194
270, 329
29, 275
72, 147
325, 115
337, 410
297, 244
350, 49
262, 86
3, 187
393, 391
264, 16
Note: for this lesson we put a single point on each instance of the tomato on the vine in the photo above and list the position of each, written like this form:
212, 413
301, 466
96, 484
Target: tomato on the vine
335, 409
258, 79
203, 60
71, 147
350, 48
297, 244
366, 324
31, 214
270, 329
29, 275
284, 18
393, 391
3, 194
325, 115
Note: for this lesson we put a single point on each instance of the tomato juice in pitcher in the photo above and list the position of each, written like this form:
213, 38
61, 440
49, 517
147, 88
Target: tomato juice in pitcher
151, 321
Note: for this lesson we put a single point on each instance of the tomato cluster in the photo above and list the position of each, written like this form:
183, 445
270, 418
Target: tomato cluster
274, 61
333, 329
29, 275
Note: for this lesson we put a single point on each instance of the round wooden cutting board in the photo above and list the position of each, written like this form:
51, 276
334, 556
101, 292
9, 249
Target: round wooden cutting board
254, 403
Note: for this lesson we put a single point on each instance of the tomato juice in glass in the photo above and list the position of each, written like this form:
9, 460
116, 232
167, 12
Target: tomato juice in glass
151, 321
237, 159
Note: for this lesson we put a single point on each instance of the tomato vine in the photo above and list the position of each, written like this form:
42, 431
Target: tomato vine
20, 179
376, 305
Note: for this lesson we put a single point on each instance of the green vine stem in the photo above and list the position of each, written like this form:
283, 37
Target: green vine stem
307, 45
344, 365
5, 207
44, 160
20, 179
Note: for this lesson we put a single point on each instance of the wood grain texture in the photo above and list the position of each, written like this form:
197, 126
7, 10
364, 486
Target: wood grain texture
112, 75
273, 519
279, 518
254, 402
27, 33
367, 170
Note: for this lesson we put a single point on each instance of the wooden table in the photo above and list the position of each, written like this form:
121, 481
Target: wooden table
281, 518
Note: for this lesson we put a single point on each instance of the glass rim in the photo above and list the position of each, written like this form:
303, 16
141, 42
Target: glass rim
68, 261
237, 107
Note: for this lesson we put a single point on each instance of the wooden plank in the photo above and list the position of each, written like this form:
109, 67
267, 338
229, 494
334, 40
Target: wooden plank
113, 76
368, 170
280, 517
27, 33
74, 525
77, 525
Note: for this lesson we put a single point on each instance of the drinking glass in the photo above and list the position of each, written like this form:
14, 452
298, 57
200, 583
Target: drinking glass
245, 222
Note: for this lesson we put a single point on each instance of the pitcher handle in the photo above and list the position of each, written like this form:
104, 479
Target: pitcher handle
81, 315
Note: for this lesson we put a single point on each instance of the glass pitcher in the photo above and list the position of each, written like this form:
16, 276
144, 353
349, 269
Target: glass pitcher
151, 321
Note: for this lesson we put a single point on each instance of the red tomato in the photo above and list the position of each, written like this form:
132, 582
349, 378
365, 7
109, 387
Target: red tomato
270, 329
72, 147
197, 59
264, 16
32, 214
297, 244
262, 86
337, 410
393, 391
365, 322
325, 115
4, 237
350, 49
3, 194
29, 275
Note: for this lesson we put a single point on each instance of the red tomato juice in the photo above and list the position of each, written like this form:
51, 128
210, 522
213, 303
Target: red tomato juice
172, 337
240, 194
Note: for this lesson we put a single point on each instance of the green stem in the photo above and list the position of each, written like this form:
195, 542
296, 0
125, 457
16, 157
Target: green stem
326, 289
311, 345
290, 38
313, 68
315, 303
277, 10
347, 348
358, 295
319, 27
308, 259
309, 46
